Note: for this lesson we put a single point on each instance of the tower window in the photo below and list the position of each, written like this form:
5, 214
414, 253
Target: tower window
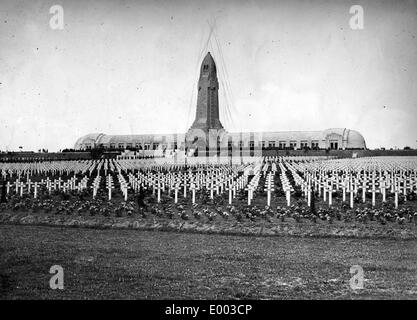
205, 67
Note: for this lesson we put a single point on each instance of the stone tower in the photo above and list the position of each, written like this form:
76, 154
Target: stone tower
206, 131
207, 113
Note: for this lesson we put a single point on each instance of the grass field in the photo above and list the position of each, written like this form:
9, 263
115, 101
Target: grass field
131, 264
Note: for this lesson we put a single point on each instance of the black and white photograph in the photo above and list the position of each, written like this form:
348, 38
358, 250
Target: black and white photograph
206, 150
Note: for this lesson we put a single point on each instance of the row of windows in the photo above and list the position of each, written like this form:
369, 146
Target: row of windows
139, 146
261, 144
281, 144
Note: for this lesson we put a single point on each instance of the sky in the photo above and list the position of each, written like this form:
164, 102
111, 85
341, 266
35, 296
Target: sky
131, 67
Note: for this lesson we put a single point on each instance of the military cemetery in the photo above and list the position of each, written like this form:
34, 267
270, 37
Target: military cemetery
262, 192
375, 191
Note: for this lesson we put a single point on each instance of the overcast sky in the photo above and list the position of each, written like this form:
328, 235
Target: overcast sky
131, 67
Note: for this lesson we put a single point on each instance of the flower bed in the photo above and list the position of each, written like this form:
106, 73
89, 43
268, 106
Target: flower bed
214, 216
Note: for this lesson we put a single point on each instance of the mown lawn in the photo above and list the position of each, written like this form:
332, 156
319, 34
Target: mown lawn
132, 264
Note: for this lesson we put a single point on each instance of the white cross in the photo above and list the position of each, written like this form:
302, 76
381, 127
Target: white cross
396, 191
159, 188
249, 189
288, 196
193, 188
176, 188
230, 189
35, 193
268, 190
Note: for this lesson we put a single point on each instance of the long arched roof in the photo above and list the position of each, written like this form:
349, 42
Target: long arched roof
350, 138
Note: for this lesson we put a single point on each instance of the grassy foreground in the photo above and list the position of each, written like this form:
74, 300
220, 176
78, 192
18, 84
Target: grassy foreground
132, 264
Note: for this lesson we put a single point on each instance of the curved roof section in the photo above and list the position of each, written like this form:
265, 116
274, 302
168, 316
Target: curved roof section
91, 138
355, 139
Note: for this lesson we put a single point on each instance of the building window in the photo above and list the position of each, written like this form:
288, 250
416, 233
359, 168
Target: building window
155, 146
334, 145
282, 145
271, 144
147, 146
293, 144
112, 146
128, 145
205, 67
88, 146
121, 146
252, 144
303, 144
314, 144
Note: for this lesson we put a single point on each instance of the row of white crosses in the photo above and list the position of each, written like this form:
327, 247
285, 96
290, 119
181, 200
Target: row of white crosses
371, 175
18, 185
319, 180
96, 185
235, 185
83, 184
57, 184
124, 185
109, 185
350, 175
286, 184
269, 187
265, 169
325, 185
213, 179
252, 186
306, 184
45, 168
